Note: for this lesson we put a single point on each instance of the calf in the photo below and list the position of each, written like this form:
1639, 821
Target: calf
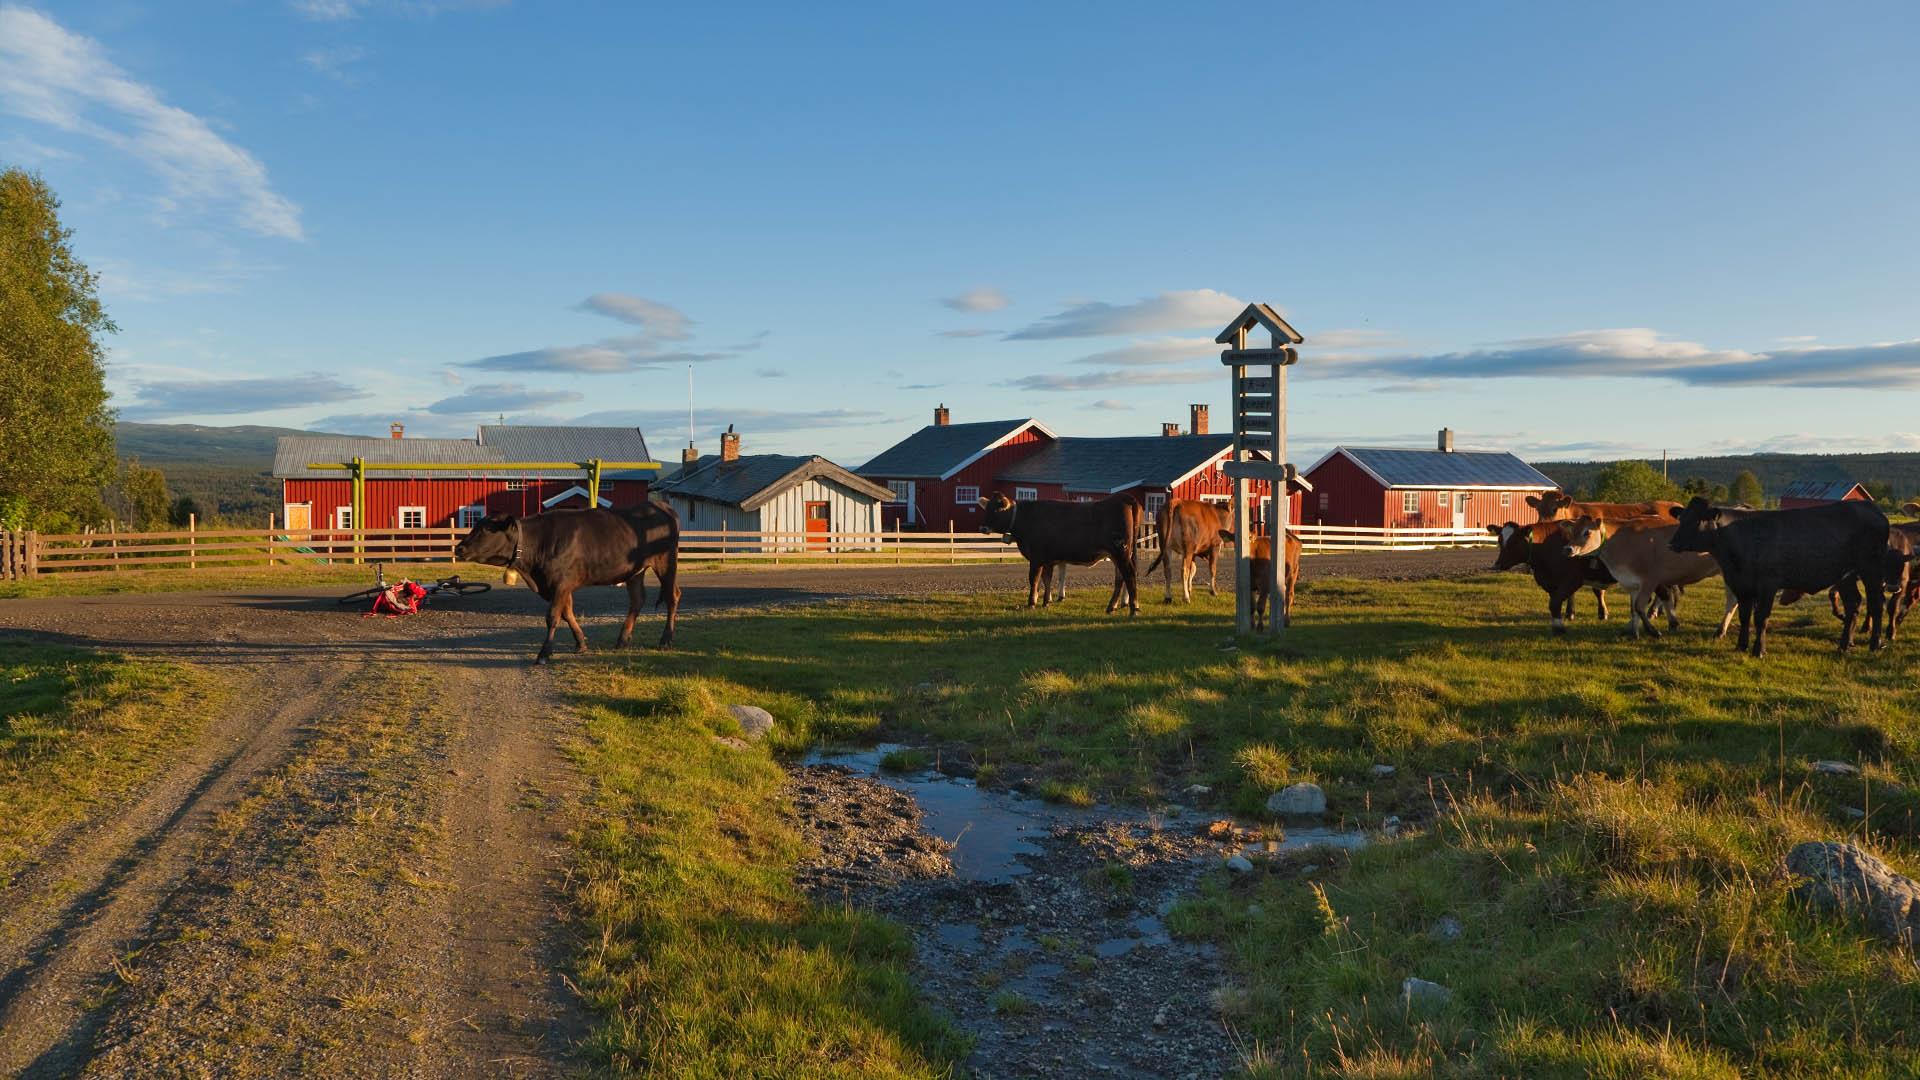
1559, 506
1542, 548
1637, 552
1190, 530
1051, 531
563, 550
1839, 545
1259, 560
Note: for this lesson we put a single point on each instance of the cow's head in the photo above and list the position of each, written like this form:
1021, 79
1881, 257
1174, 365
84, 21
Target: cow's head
999, 513
492, 541
1584, 535
1512, 551
1551, 504
1698, 520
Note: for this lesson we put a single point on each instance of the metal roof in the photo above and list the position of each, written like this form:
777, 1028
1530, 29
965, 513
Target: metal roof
1117, 463
495, 447
1443, 468
1831, 490
751, 479
938, 450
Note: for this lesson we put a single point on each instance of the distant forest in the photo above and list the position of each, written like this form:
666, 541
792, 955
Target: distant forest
226, 471
1900, 472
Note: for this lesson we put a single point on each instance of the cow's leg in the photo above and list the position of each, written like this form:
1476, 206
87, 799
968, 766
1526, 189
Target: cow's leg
1062, 595
636, 599
1849, 591
1599, 602
1123, 568
1119, 587
1876, 604
1762, 611
1555, 602
669, 576
1213, 569
553, 624
1046, 584
1186, 576
1746, 604
1034, 570
1647, 600
1166, 567
573, 623
1726, 617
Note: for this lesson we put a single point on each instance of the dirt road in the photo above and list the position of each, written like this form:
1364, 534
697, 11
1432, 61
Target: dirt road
355, 870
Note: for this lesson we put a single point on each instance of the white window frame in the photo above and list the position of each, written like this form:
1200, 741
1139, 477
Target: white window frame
1506, 499
1156, 500
343, 517
1026, 494
516, 485
1083, 498
468, 516
1326, 498
902, 491
400, 517
966, 494
1410, 502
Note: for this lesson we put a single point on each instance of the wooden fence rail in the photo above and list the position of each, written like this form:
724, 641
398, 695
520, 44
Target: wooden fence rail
27, 554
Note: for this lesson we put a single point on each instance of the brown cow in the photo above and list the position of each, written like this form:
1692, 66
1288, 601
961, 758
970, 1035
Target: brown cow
1638, 554
1261, 556
1190, 530
1052, 531
1559, 506
563, 550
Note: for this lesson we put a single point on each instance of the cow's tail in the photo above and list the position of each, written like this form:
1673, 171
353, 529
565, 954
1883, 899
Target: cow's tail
669, 569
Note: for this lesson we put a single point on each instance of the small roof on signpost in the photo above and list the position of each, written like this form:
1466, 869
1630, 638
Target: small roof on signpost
1259, 315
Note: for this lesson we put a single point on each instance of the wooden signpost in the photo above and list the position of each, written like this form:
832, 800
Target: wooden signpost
1260, 425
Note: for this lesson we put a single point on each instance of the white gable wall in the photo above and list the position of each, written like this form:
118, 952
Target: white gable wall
849, 512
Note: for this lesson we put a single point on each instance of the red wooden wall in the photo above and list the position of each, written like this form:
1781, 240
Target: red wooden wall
443, 496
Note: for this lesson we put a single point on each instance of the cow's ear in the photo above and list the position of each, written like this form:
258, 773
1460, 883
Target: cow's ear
1533, 501
1676, 511
982, 501
1494, 530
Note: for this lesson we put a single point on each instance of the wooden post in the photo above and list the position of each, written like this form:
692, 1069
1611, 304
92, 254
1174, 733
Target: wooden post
1242, 521
1282, 497
953, 552
192, 527
113, 542
33, 554
271, 518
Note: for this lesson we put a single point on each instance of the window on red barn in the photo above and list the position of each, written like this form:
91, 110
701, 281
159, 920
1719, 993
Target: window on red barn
413, 517
471, 515
902, 491
1155, 500
343, 517
966, 494
1409, 502
1026, 494
516, 485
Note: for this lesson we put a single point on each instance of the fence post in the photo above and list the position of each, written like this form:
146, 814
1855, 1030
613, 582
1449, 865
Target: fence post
193, 521
271, 518
113, 542
33, 554
953, 546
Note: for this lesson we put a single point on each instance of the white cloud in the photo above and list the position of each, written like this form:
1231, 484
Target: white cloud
226, 397
1190, 309
335, 61
983, 298
1111, 405
1106, 380
966, 333
501, 397
661, 321
339, 10
54, 77
610, 357
1155, 352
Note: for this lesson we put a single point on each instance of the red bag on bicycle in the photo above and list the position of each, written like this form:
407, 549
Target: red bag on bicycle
397, 600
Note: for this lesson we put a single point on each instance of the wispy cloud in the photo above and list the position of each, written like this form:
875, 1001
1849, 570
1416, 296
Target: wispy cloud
1182, 310
966, 333
1108, 380
1645, 353
501, 397
1110, 405
226, 397
922, 386
661, 321
336, 62
52, 76
770, 373
1155, 352
747, 421
339, 10
980, 299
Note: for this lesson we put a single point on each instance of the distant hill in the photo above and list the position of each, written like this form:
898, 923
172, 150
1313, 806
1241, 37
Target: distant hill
1776, 471
227, 471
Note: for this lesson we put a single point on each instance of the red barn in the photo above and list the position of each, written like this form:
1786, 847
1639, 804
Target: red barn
1442, 488
1152, 468
938, 472
1804, 493
454, 498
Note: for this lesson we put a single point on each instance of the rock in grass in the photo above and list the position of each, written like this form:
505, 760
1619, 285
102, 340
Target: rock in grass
755, 722
1836, 768
1298, 800
1421, 994
1240, 864
1845, 879
1446, 928
1381, 772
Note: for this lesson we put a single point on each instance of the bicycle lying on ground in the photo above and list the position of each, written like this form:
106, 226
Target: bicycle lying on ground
445, 586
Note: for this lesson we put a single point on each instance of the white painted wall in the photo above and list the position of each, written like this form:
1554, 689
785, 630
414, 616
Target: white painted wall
848, 512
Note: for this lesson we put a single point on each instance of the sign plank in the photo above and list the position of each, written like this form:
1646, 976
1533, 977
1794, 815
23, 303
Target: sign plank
1260, 385
1262, 425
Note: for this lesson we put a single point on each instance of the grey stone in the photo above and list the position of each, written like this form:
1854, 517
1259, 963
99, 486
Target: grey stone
1240, 864
1836, 768
1446, 928
1844, 879
755, 722
1198, 790
1421, 994
1391, 826
1853, 812
1298, 800
1383, 771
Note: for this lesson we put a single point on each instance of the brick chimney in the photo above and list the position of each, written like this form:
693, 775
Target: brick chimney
729, 445
1446, 440
1197, 422
940, 416
398, 429
1169, 429
688, 455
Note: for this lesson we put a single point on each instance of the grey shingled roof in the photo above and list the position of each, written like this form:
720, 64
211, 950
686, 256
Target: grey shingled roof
498, 444
1834, 490
751, 479
936, 449
1109, 464
1447, 469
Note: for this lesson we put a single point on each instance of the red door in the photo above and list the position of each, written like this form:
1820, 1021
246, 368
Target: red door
819, 524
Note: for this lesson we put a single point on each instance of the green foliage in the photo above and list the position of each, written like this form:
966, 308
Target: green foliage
1700, 485
139, 497
1632, 481
1900, 472
1746, 488
56, 441
183, 510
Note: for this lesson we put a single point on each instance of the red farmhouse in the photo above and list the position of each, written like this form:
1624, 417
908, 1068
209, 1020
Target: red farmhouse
937, 473
441, 498
1421, 489
1804, 493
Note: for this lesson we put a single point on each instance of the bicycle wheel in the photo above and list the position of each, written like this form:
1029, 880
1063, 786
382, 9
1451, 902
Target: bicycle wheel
464, 588
364, 596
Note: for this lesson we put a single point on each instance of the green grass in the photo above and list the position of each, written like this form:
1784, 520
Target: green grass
702, 957
77, 727
216, 578
1606, 818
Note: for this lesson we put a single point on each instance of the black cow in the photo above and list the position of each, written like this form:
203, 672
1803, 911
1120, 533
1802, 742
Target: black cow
1050, 531
1840, 545
1542, 548
563, 550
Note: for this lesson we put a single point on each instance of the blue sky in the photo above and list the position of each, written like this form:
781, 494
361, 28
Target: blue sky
1586, 231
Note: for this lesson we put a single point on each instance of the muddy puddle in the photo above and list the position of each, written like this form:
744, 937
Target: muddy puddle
1041, 928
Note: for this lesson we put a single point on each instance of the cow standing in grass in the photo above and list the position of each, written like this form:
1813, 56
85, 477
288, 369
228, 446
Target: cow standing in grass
1051, 531
564, 550
1560, 506
1190, 530
1541, 547
1258, 565
1637, 553
1841, 545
